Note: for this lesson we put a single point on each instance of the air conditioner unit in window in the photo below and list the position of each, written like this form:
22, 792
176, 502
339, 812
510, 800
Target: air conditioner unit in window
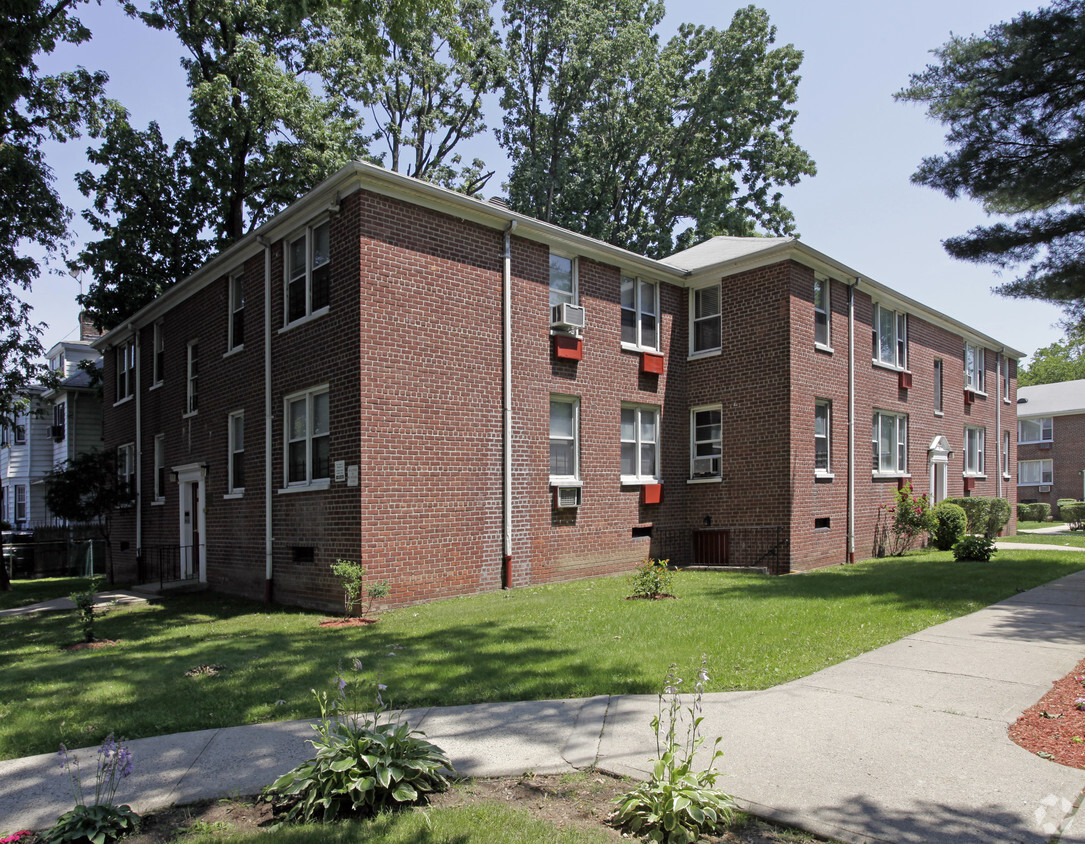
566, 497
568, 317
1045, 489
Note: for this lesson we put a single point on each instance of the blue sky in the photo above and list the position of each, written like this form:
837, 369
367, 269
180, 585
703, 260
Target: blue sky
860, 208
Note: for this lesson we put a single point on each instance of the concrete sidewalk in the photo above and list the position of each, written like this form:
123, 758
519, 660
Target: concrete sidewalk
102, 600
903, 744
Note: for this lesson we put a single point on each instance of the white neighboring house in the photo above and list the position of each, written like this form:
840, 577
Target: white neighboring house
26, 456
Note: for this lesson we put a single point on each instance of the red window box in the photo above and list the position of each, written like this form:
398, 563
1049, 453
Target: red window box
651, 494
651, 364
969, 397
567, 347
969, 484
905, 380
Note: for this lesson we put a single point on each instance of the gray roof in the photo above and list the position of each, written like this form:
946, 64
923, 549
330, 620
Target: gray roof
717, 250
1051, 399
80, 379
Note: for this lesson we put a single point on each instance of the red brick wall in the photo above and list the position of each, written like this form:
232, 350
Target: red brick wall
1067, 455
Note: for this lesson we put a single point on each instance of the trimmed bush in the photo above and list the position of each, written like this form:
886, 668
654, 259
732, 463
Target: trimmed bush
1041, 512
974, 549
980, 509
1024, 513
1072, 513
1060, 504
950, 525
998, 516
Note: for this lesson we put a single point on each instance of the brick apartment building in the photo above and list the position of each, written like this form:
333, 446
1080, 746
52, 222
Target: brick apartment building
1051, 442
461, 397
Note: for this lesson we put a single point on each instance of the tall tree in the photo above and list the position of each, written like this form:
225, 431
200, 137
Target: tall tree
1013, 102
1063, 360
616, 136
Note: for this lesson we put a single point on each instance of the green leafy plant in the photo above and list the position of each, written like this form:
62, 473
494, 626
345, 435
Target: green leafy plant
84, 602
102, 821
352, 576
363, 764
950, 523
677, 803
977, 548
651, 579
910, 517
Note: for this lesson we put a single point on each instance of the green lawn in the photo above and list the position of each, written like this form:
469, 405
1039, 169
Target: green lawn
1067, 539
24, 592
1037, 525
565, 640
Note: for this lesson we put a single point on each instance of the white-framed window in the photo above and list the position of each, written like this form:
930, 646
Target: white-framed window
236, 331
308, 272
890, 337
706, 442
1006, 454
706, 319
60, 413
192, 375
973, 450
640, 443
821, 311
973, 367
823, 412
126, 471
159, 364
20, 503
160, 467
640, 313
939, 370
564, 439
126, 369
563, 280
889, 440
19, 434
56, 364
236, 437
1005, 378
1038, 430
1033, 472
308, 426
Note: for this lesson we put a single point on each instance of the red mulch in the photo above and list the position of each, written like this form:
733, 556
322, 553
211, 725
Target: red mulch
659, 596
347, 622
1054, 737
91, 646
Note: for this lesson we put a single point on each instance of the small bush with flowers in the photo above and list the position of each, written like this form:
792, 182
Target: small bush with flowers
651, 579
102, 821
17, 836
903, 523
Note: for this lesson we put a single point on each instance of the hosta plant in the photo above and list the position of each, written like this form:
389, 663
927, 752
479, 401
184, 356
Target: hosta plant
102, 821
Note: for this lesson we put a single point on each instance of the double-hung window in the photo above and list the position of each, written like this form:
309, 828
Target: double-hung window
126, 471
160, 467
706, 319
192, 403
889, 440
823, 411
20, 503
640, 444
706, 442
1033, 472
939, 368
59, 414
307, 437
236, 437
1006, 454
1038, 430
890, 337
236, 337
640, 313
1005, 378
973, 450
20, 434
126, 369
564, 439
973, 367
821, 312
563, 280
308, 273
159, 364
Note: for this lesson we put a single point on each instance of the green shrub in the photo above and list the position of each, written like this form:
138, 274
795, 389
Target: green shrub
950, 525
985, 515
1072, 513
84, 602
1041, 512
102, 820
977, 548
1024, 513
352, 576
911, 518
651, 579
998, 516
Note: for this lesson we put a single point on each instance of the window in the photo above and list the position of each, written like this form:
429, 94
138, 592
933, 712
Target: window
1038, 430
562, 280
193, 375
822, 421
564, 438
159, 353
1033, 472
308, 274
126, 471
20, 503
56, 364
307, 437
890, 443
706, 334
939, 368
890, 337
1005, 454
706, 442
1005, 378
973, 451
20, 434
821, 312
973, 367
237, 313
59, 412
160, 467
126, 370
640, 444
237, 451
640, 313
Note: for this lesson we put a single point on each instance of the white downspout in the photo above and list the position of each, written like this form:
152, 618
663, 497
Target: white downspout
506, 411
998, 419
268, 491
139, 445
851, 421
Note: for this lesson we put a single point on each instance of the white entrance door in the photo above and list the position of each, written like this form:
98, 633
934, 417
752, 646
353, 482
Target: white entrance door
938, 457
193, 540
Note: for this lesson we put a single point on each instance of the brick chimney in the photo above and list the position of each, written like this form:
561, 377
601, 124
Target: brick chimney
87, 331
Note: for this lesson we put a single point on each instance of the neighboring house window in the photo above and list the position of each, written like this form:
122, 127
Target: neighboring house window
1038, 430
939, 368
126, 369
160, 467
564, 438
890, 443
237, 452
307, 437
640, 313
237, 312
193, 377
126, 471
20, 503
821, 311
973, 367
973, 451
822, 421
1033, 472
562, 280
308, 272
159, 353
1005, 454
705, 304
890, 337
706, 442
20, 434
56, 364
59, 412
640, 443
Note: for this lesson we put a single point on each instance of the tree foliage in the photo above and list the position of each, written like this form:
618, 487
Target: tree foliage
1063, 360
1013, 101
624, 139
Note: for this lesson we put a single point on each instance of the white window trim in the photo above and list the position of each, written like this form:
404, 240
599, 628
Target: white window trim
900, 346
159, 346
129, 452
574, 271
232, 346
826, 284
900, 471
126, 355
192, 380
1004, 363
827, 472
159, 463
981, 470
693, 442
310, 482
16, 489
310, 312
233, 490
694, 354
640, 478
1040, 420
975, 381
640, 345
1050, 472
573, 479
1005, 454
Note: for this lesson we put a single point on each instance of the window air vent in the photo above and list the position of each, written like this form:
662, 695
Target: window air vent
566, 316
566, 497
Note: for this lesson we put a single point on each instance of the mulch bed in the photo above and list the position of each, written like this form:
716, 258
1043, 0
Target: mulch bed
1055, 728
92, 646
347, 622
659, 596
